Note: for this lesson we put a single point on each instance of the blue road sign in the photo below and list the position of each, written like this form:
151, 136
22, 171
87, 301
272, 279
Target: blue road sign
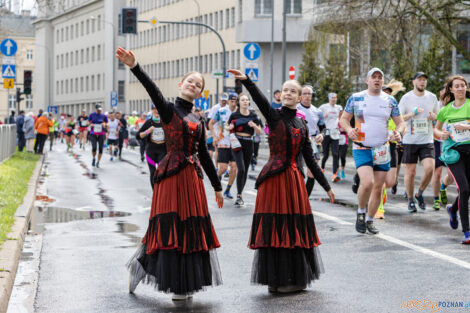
199, 102
8, 71
8, 47
114, 100
53, 109
206, 104
252, 73
252, 51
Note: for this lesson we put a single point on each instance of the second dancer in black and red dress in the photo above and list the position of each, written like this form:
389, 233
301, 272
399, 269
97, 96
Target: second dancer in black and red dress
283, 231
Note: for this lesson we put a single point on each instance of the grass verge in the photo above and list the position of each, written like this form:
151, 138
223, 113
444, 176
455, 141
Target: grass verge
14, 176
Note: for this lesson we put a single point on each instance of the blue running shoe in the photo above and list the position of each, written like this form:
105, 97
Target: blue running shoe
227, 194
342, 174
454, 222
93, 162
466, 238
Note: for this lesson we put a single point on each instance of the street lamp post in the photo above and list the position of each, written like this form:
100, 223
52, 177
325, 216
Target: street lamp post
198, 37
224, 69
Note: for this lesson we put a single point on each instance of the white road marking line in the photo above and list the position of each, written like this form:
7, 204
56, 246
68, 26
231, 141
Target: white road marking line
402, 243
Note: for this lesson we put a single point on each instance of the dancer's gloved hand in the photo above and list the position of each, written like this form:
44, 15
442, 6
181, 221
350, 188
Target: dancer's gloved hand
126, 56
219, 197
331, 195
237, 74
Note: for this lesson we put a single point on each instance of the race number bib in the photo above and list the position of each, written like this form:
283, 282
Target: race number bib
420, 126
334, 133
459, 135
342, 140
97, 128
234, 143
140, 125
382, 154
83, 123
158, 134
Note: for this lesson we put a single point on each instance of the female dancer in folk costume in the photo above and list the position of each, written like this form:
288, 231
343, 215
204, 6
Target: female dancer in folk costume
177, 254
283, 231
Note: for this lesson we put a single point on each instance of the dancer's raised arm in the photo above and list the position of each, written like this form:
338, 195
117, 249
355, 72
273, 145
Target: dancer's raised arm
256, 94
164, 107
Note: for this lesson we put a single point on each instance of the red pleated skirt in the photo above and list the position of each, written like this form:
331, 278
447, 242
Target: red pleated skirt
283, 216
179, 217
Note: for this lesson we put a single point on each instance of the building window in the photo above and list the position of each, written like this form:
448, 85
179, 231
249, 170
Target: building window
240, 11
98, 82
76, 84
29, 54
92, 54
71, 85
227, 18
87, 26
232, 17
92, 25
98, 54
121, 96
82, 28
92, 82
81, 84
57, 37
66, 33
87, 83
76, 57
87, 55
98, 24
76, 30
11, 101
29, 101
71, 31
294, 7
264, 7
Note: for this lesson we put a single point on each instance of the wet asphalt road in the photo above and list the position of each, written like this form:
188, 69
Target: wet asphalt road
82, 263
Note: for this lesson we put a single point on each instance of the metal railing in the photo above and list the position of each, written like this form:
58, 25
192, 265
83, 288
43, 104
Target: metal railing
7, 141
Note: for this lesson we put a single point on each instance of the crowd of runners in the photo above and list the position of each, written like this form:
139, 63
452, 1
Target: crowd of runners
178, 141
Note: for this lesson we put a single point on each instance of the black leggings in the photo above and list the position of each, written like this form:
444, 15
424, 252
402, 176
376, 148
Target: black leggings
461, 173
343, 150
243, 159
327, 142
255, 153
97, 139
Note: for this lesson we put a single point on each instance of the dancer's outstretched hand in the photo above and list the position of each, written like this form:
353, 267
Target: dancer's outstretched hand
125, 56
331, 195
237, 74
219, 197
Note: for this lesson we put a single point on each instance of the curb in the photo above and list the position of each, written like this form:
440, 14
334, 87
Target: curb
11, 250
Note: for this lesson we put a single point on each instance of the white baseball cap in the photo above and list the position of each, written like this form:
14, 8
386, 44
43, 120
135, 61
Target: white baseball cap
374, 70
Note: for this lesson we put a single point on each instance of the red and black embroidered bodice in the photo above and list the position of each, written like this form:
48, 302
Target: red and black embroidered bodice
184, 135
288, 139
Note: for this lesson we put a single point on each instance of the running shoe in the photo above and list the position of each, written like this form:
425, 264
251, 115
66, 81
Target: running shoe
227, 174
98, 164
437, 205
93, 163
454, 221
371, 228
356, 182
443, 196
111, 159
177, 297
466, 238
421, 203
361, 223
239, 201
335, 178
412, 207
342, 174
227, 194
394, 189
252, 167
115, 152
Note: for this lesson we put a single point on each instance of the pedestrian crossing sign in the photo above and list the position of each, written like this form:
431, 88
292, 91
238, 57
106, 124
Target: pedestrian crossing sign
8, 83
252, 73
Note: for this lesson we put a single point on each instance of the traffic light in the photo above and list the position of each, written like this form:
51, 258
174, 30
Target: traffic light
28, 79
238, 86
129, 20
18, 95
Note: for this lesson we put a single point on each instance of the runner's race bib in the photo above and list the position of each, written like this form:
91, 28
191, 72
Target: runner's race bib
234, 142
420, 126
158, 134
334, 133
382, 154
83, 123
459, 135
97, 128
342, 140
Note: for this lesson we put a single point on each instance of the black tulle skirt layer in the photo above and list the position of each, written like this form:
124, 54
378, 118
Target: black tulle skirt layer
173, 272
281, 267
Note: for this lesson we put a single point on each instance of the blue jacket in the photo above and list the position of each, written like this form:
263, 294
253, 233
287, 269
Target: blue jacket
19, 124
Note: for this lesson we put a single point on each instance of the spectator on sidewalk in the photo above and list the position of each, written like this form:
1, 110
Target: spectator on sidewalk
28, 129
20, 132
42, 129
276, 104
12, 120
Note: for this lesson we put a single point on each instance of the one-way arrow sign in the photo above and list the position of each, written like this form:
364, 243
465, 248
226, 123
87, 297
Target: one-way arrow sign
8, 47
8, 71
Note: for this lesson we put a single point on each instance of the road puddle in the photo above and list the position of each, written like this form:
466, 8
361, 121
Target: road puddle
43, 215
